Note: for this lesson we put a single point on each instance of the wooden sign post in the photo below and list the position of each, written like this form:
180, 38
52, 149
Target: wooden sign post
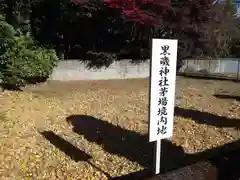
162, 93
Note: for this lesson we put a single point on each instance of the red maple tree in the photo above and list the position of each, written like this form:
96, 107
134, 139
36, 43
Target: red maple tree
184, 20
147, 12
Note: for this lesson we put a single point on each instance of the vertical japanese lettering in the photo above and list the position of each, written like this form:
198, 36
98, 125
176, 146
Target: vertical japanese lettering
163, 90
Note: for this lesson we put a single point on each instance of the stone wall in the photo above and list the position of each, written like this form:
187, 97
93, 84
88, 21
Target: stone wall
76, 70
225, 65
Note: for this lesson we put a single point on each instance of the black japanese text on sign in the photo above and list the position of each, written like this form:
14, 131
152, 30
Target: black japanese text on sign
163, 90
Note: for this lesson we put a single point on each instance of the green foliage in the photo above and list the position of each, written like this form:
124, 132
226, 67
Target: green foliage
23, 61
6, 30
7, 33
202, 29
99, 59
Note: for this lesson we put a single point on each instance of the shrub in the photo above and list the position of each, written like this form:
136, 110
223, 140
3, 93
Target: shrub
99, 59
6, 30
23, 61
43, 62
7, 34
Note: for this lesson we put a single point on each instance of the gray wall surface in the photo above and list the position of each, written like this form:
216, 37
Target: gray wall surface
224, 65
76, 70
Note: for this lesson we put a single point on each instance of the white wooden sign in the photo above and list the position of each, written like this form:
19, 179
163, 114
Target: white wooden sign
162, 88
162, 93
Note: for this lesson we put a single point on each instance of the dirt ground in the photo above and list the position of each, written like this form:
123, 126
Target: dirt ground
98, 129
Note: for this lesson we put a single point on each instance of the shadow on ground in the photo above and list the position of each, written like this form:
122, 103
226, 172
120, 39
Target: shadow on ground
70, 150
226, 96
73, 152
207, 118
227, 164
135, 147
122, 142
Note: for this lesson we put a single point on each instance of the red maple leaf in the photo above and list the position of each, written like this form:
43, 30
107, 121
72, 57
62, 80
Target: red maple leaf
132, 11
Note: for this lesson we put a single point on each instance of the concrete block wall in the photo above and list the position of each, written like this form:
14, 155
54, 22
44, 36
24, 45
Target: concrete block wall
76, 70
221, 65
68, 70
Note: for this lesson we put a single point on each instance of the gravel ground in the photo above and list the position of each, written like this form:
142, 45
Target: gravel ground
97, 129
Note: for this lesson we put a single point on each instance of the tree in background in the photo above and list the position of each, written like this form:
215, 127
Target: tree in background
147, 12
223, 30
17, 13
184, 20
80, 28
145, 18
